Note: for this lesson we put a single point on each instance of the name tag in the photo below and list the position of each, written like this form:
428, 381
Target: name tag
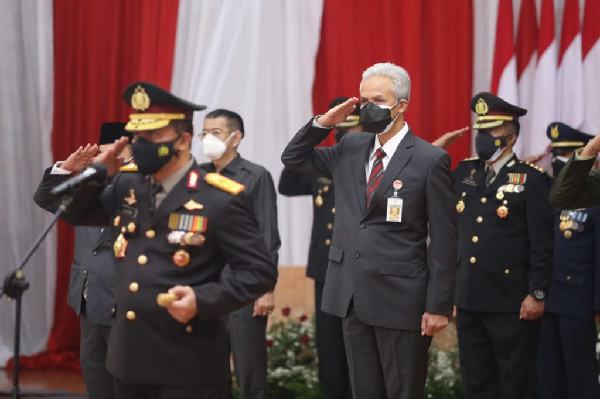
394, 209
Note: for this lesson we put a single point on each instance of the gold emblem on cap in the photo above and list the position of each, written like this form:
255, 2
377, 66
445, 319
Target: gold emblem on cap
192, 205
554, 132
181, 258
140, 100
481, 108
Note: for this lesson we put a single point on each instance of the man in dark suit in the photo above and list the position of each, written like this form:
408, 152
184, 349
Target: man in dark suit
505, 256
333, 365
222, 133
392, 192
91, 287
567, 364
176, 226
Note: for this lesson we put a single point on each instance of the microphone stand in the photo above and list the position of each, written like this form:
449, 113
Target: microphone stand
13, 287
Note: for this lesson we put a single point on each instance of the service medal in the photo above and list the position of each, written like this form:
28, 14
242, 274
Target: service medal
181, 258
502, 212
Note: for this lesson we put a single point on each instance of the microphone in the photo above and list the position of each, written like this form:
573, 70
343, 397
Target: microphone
95, 172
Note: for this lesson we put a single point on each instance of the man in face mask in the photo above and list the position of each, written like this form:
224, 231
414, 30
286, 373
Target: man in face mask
334, 379
505, 247
176, 227
393, 190
221, 135
92, 282
568, 368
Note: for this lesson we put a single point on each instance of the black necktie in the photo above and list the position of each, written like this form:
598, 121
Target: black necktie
490, 173
155, 188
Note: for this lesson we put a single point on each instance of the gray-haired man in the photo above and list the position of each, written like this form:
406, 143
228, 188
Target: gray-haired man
393, 190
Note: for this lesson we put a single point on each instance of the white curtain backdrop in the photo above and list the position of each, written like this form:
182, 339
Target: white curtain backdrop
256, 58
26, 115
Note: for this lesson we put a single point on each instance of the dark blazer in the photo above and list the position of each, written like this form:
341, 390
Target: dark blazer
575, 285
260, 191
501, 260
150, 346
387, 270
92, 261
308, 182
577, 185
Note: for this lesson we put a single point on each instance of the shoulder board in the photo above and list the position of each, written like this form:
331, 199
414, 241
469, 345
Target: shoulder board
470, 159
130, 167
224, 183
533, 166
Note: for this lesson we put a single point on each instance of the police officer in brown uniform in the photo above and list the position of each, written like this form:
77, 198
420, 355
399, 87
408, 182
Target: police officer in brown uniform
176, 226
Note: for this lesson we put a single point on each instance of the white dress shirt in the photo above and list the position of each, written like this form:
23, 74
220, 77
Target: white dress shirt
389, 148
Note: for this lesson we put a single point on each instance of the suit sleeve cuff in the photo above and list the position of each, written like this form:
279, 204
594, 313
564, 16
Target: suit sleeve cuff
57, 170
582, 158
315, 123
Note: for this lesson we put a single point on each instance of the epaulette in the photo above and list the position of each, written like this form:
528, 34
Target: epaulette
470, 159
533, 166
224, 183
130, 167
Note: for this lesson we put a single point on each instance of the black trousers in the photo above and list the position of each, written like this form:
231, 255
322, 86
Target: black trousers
334, 377
497, 355
92, 357
134, 391
248, 338
567, 365
385, 363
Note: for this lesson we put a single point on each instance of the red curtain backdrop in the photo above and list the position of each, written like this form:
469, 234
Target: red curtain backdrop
100, 46
432, 39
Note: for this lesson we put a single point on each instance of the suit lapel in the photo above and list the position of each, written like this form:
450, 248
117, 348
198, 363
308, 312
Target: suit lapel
397, 163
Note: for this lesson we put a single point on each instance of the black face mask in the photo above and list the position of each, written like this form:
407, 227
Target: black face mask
374, 119
150, 157
486, 145
557, 166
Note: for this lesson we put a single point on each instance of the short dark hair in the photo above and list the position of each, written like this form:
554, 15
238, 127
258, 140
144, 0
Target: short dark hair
234, 120
182, 126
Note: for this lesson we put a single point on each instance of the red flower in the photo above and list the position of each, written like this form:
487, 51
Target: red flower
286, 311
269, 343
303, 318
305, 339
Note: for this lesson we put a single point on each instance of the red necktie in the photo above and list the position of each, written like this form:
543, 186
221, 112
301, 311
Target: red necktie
375, 176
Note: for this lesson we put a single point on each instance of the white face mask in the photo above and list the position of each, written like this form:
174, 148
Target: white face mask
213, 147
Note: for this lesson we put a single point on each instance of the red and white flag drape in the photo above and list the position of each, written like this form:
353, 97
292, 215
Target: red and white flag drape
590, 44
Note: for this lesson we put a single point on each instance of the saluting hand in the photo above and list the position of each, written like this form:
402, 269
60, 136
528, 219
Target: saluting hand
80, 159
531, 309
339, 113
447, 139
184, 308
110, 158
592, 148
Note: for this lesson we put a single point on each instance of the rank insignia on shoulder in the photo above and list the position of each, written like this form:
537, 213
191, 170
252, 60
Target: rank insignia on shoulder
224, 183
130, 167
183, 222
192, 205
470, 159
193, 180
533, 166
